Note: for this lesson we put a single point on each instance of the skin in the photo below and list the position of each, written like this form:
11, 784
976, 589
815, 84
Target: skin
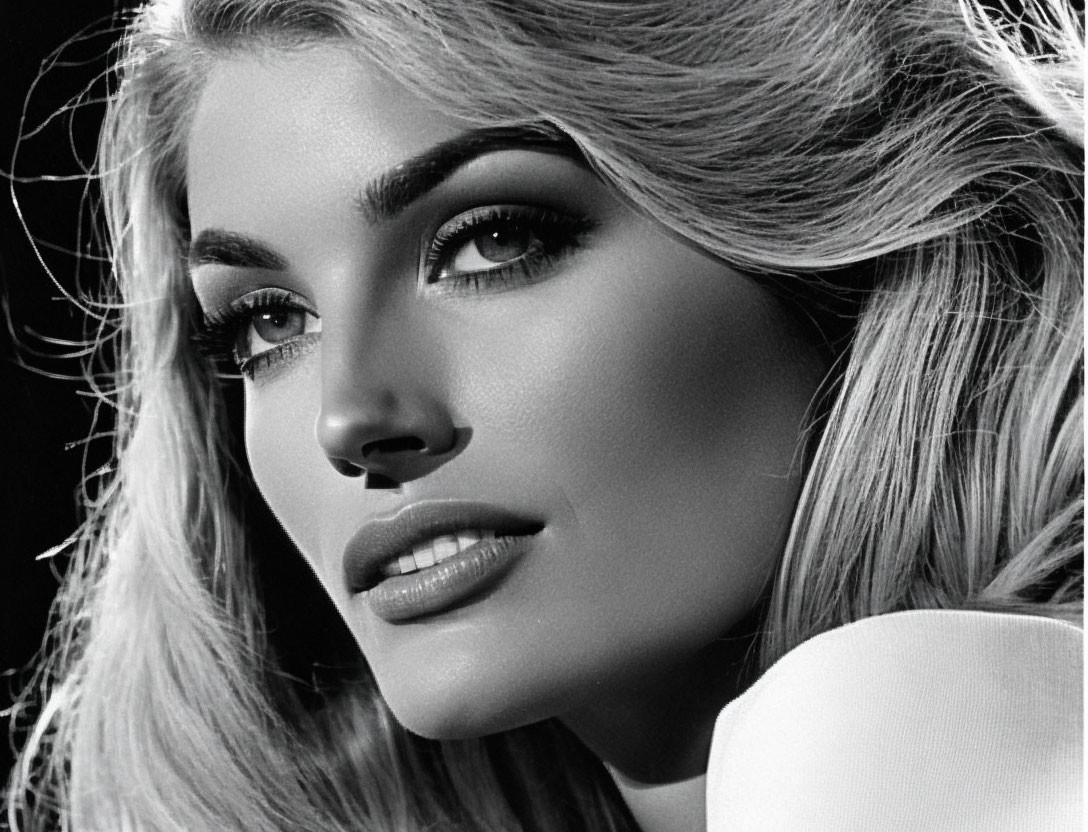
641, 398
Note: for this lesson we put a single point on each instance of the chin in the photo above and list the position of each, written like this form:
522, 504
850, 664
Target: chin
442, 718
442, 709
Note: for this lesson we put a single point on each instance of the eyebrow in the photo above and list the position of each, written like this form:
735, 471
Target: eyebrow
391, 192
226, 248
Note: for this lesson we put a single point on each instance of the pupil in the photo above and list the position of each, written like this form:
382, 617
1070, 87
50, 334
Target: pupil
503, 244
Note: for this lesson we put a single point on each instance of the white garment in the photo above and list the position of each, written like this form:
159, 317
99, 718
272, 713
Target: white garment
927, 721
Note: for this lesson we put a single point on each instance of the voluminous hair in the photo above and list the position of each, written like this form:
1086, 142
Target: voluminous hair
908, 172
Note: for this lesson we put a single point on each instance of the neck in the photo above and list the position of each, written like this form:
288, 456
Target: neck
665, 807
653, 734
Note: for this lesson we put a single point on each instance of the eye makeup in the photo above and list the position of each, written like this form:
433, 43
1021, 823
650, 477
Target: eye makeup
259, 330
499, 224
497, 248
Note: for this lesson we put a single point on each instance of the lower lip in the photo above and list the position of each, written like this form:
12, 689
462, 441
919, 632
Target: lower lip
456, 579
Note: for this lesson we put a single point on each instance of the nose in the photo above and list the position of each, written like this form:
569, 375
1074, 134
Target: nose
391, 436
385, 416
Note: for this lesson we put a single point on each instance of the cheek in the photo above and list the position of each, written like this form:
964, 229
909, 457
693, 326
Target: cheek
665, 400
285, 459
681, 388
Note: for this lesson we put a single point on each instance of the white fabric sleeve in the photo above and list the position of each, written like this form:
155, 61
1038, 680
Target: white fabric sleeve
922, 720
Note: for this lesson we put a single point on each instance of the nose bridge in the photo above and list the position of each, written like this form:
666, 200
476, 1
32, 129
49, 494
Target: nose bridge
382, 400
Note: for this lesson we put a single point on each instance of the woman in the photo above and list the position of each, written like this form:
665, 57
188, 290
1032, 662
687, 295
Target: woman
596, 357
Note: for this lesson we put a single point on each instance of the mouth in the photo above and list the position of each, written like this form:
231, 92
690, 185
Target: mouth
429, 557
427, 554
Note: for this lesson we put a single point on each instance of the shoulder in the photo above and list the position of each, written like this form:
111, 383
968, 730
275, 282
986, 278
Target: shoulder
922, 720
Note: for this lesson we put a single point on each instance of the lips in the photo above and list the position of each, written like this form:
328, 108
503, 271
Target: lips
438, 550
429, 556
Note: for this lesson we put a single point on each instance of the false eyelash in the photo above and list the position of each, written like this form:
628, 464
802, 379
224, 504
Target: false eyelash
216, 340
218, 334
556, 232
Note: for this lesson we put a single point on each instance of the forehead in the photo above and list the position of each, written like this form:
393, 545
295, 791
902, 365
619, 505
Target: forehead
299, 120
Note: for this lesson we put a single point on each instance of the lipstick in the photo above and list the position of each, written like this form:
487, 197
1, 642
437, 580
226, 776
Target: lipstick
431, 556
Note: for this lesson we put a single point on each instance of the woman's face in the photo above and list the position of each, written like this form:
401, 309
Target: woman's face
596, 422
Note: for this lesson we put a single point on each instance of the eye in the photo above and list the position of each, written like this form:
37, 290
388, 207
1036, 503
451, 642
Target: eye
501, 247
260, 330
273, 326
498, 245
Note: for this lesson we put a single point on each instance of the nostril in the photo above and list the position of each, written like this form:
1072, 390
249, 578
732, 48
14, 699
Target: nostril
348, 469
395, 445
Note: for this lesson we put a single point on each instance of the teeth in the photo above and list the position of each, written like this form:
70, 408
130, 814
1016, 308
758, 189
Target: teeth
436, 551
424, 555
445, 547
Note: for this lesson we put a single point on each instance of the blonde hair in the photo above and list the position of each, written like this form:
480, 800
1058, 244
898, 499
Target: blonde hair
917, 164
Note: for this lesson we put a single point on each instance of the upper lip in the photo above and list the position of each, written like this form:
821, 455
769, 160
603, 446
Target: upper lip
385, 538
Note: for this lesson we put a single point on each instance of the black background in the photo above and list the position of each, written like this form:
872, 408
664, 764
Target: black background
41, 415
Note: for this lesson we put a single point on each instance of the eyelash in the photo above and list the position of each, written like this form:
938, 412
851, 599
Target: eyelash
552, 235
221, 333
